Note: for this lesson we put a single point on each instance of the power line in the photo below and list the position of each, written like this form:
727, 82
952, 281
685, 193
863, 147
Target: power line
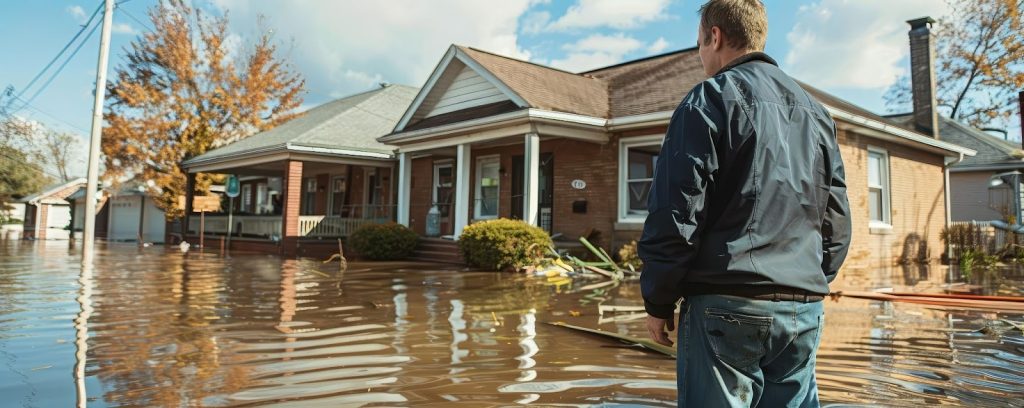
132, 16
68, 45
59, 69
33, 107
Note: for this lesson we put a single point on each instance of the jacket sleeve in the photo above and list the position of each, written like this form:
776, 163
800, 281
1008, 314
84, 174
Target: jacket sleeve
835, 230
676, 207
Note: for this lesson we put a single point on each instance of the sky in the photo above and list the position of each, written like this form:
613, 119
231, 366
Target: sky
854, 49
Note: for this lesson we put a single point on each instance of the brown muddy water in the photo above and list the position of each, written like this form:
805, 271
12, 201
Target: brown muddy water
155, 327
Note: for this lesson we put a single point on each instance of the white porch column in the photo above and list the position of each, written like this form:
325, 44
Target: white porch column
531, 179
462, 184
404, 182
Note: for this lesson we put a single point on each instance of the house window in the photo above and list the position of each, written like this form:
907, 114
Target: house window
261, 198
338, 188
637, 158
878, 187
487, 187
444, 177
246, 197
309, 202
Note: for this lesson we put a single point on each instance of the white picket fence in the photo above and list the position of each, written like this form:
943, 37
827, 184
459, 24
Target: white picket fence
270, 226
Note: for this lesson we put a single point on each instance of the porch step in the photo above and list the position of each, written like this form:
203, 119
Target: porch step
437, 250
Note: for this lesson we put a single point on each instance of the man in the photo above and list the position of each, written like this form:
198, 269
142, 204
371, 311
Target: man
749, 222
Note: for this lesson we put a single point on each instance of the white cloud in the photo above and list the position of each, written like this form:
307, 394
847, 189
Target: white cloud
658, 46
854, 44
77, 13
346, 47
123, 28
619, 14
596, 51
535, 22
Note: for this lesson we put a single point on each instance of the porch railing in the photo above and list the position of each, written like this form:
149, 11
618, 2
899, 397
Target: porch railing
269, 226
324, 226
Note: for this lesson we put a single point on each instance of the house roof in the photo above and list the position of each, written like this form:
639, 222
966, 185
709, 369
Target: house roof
652, 84
645, 91
545, 87
993, 152
54, 192
349, 124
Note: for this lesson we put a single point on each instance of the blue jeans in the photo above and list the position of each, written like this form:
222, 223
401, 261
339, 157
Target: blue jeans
740, 352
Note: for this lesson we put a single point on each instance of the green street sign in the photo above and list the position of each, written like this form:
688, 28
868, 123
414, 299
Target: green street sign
232, 188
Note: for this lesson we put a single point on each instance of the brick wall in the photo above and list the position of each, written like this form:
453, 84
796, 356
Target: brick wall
917, 201
916, 182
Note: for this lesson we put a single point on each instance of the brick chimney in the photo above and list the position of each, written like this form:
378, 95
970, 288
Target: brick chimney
922, 76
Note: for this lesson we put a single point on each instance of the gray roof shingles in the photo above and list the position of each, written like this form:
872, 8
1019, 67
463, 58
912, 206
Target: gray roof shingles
350, 123
992, 151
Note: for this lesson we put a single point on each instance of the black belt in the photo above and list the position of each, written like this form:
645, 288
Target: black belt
772, 293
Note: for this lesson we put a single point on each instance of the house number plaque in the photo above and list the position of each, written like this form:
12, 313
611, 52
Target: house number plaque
579, 184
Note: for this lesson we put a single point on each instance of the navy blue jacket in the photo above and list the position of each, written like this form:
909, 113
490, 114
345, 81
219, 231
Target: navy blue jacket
749, 191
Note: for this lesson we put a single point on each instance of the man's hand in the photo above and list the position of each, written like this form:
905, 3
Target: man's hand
656, 328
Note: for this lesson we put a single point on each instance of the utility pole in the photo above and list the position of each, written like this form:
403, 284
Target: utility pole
94, 137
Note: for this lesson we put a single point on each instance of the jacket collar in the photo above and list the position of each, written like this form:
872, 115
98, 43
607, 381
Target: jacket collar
754, 56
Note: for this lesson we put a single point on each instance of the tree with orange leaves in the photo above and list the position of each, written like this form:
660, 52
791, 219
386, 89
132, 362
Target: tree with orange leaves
980, 63
183, 89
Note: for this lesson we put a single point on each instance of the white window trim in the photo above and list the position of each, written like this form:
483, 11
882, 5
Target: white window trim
624, 145
434, 184
886, 222
480, 161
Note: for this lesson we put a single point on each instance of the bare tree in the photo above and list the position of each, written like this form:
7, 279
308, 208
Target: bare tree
980, 56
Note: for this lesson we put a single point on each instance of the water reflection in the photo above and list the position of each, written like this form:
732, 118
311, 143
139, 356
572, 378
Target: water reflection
172, 329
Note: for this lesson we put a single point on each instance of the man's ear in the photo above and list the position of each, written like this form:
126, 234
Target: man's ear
716, 38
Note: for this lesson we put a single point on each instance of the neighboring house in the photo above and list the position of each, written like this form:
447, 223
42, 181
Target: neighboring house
125, 214
48, 214
490, 136
320, 175
972, 198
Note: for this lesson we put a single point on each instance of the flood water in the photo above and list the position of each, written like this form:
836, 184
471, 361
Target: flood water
155, 327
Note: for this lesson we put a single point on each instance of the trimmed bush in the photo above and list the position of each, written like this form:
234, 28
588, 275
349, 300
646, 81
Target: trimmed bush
384, 242
503, 244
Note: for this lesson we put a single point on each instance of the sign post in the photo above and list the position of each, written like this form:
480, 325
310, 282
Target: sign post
202, 204
232, 191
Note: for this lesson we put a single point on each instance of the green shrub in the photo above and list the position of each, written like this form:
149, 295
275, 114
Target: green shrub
384, 242
503, 244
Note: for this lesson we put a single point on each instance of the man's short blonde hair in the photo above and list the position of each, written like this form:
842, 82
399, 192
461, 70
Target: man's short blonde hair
743, 23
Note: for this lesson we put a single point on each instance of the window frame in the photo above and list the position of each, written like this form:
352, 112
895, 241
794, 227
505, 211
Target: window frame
478, 179
885, 188
624, 145
435, 184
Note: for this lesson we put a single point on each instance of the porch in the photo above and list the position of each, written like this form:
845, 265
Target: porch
269, 227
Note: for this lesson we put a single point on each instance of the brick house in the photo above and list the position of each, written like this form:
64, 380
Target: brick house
490, 136
48, 214
318, 176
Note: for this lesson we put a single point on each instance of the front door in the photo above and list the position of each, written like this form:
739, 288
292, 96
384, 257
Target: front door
443, 194
546, 189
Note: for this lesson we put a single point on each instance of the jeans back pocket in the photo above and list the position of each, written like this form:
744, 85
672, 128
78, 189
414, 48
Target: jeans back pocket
736, 339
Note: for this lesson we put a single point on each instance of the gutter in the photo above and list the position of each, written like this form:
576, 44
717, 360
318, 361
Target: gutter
898, 132
284, 148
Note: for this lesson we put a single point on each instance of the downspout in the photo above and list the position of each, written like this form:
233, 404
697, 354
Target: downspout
949, 211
